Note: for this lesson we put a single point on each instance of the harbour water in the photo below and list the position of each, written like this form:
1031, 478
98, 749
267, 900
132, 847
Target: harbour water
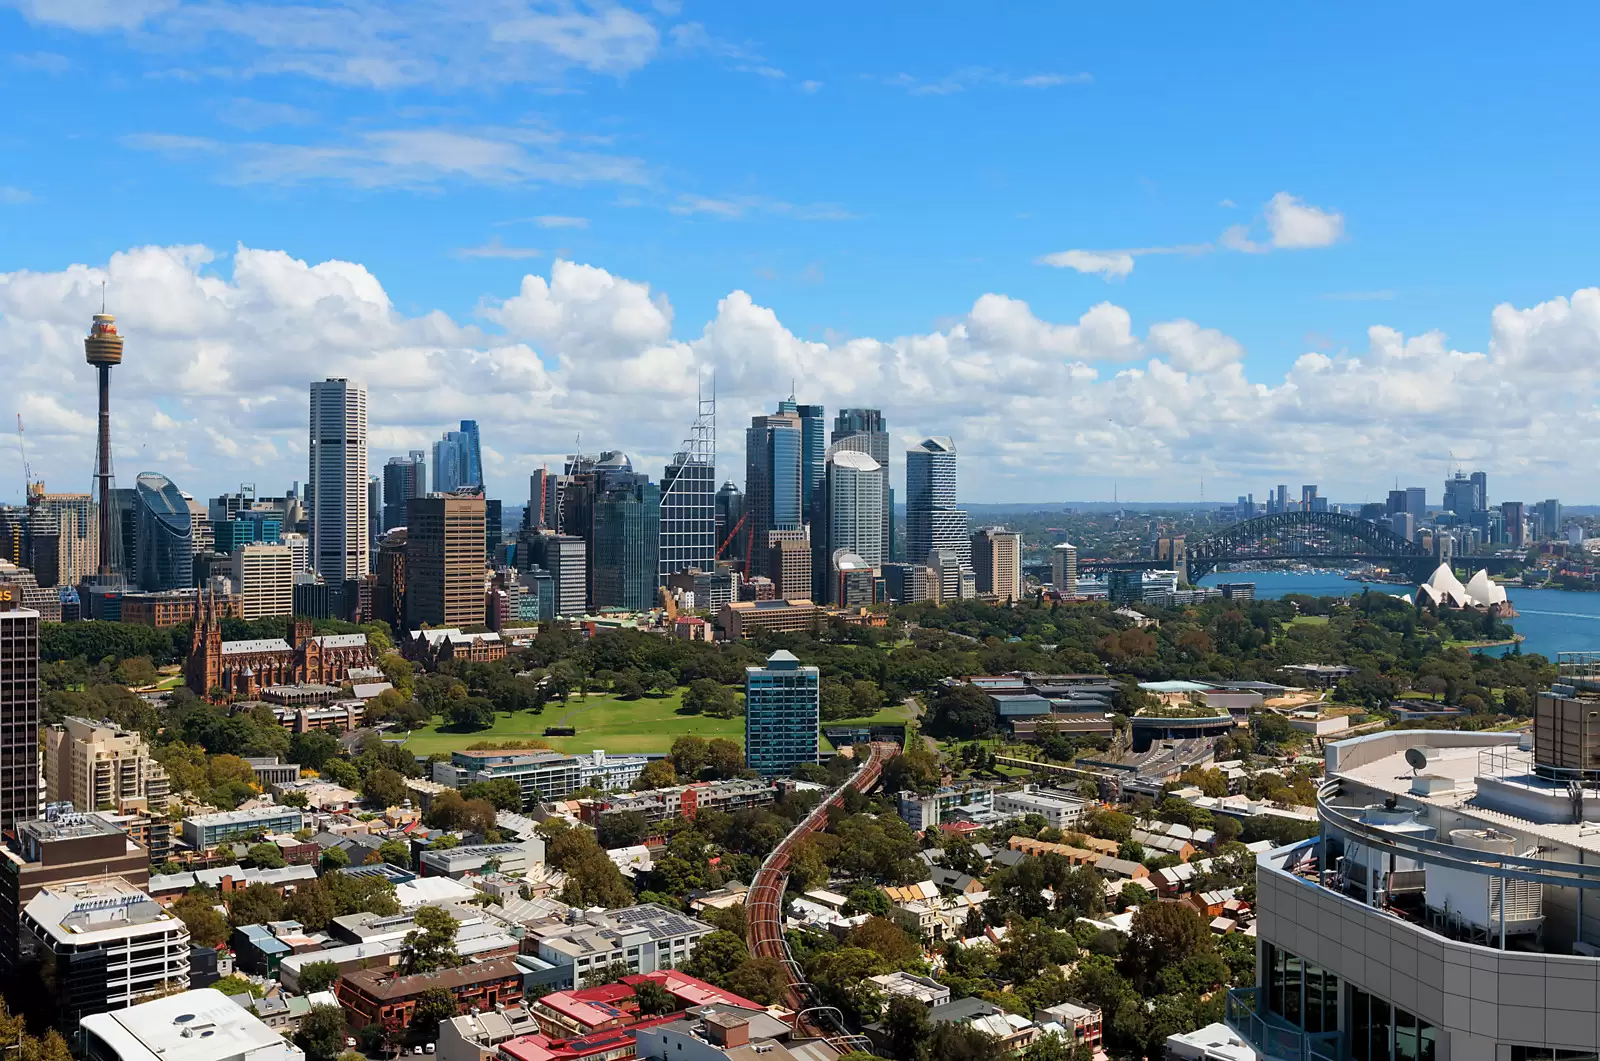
1550, 620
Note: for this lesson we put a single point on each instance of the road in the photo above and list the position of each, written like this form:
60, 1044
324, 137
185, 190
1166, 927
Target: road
763, 905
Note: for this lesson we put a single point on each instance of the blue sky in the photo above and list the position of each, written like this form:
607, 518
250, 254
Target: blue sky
863, 175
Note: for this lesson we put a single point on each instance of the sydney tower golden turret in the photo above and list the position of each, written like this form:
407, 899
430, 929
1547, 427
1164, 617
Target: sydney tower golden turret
102, 347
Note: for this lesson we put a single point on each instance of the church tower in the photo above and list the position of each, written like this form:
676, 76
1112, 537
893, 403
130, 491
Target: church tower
203, 669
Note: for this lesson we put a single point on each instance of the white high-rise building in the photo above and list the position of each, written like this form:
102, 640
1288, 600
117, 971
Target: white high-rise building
933, 522
340, 528
855, 505
263, 575
299, 547
1064, 569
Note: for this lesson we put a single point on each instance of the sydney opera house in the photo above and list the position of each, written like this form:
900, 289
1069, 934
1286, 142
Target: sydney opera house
1481, 593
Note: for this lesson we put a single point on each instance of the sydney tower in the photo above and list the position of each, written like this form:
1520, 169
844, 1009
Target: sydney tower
103, 348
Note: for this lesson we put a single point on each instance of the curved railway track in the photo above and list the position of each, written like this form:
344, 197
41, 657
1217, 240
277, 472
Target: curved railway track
763, 905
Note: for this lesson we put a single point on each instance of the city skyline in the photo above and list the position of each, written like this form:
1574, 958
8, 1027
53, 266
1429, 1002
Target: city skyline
565, 229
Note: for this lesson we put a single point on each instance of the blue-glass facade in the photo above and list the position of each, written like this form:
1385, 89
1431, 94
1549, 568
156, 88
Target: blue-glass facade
781, 714
786, 447
627, 535
246, 528
164, 535
813, 455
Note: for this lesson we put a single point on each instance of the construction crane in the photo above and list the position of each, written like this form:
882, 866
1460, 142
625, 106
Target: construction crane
731, 535
27, 470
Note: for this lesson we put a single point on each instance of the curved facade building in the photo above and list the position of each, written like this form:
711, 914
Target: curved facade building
1450, 908
164, 535
856, 505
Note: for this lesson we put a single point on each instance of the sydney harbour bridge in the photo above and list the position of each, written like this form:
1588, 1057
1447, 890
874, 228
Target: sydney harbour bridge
1322, 538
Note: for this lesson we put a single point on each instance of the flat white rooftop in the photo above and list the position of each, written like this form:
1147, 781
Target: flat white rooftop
200, 1025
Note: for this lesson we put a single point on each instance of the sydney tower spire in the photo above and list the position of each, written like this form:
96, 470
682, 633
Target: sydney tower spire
103, 348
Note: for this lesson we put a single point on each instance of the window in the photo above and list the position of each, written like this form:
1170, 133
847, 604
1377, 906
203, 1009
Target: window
1301, 992
1382, 1032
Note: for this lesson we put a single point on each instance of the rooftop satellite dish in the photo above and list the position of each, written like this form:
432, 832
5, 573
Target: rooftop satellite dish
1415, 759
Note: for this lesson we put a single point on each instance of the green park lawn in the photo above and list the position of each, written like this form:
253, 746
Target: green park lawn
648, 724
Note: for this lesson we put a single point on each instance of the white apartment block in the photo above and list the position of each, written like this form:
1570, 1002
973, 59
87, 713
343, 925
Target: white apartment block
646, 938
107, 945
1061, 810
263, 576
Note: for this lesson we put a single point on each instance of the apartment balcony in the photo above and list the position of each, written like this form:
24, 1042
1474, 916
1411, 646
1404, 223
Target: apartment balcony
1272, 1036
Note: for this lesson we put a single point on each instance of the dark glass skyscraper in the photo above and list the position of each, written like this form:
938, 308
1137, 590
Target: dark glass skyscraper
164, 535
627, 535
403, 479
19, 711
773, 480
813, 455
730, 510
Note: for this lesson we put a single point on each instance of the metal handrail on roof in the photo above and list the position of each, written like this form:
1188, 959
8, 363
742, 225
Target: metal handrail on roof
1433, 852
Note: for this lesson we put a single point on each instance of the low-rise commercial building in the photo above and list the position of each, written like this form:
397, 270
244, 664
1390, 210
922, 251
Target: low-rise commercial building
753, 618
1061, 810
661, 804
925, 812
205, 831
377, 997
201, 1025
457, 862
645, 938
62, 848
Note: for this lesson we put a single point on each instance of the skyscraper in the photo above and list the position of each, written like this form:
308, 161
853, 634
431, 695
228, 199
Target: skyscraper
1460, 496
1064, 569
533, 517
773, 478
866, 431
63, 537
932, 519
850, 522
1480, 491
374, 511
403, 479
730, 510
997, 563
625, 556
340, 538
458, 460
19, 710
1511, 513
263, 576
813, 457
444, 560
1550, 517
164, 535
781, 714
689, 499
565, 556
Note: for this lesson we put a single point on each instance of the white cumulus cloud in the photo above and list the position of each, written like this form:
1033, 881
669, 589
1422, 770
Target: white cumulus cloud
221, 348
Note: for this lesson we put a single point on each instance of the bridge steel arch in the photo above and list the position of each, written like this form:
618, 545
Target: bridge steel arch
1345, 537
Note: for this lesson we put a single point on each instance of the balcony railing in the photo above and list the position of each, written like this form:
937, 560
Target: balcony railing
1272, 1036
